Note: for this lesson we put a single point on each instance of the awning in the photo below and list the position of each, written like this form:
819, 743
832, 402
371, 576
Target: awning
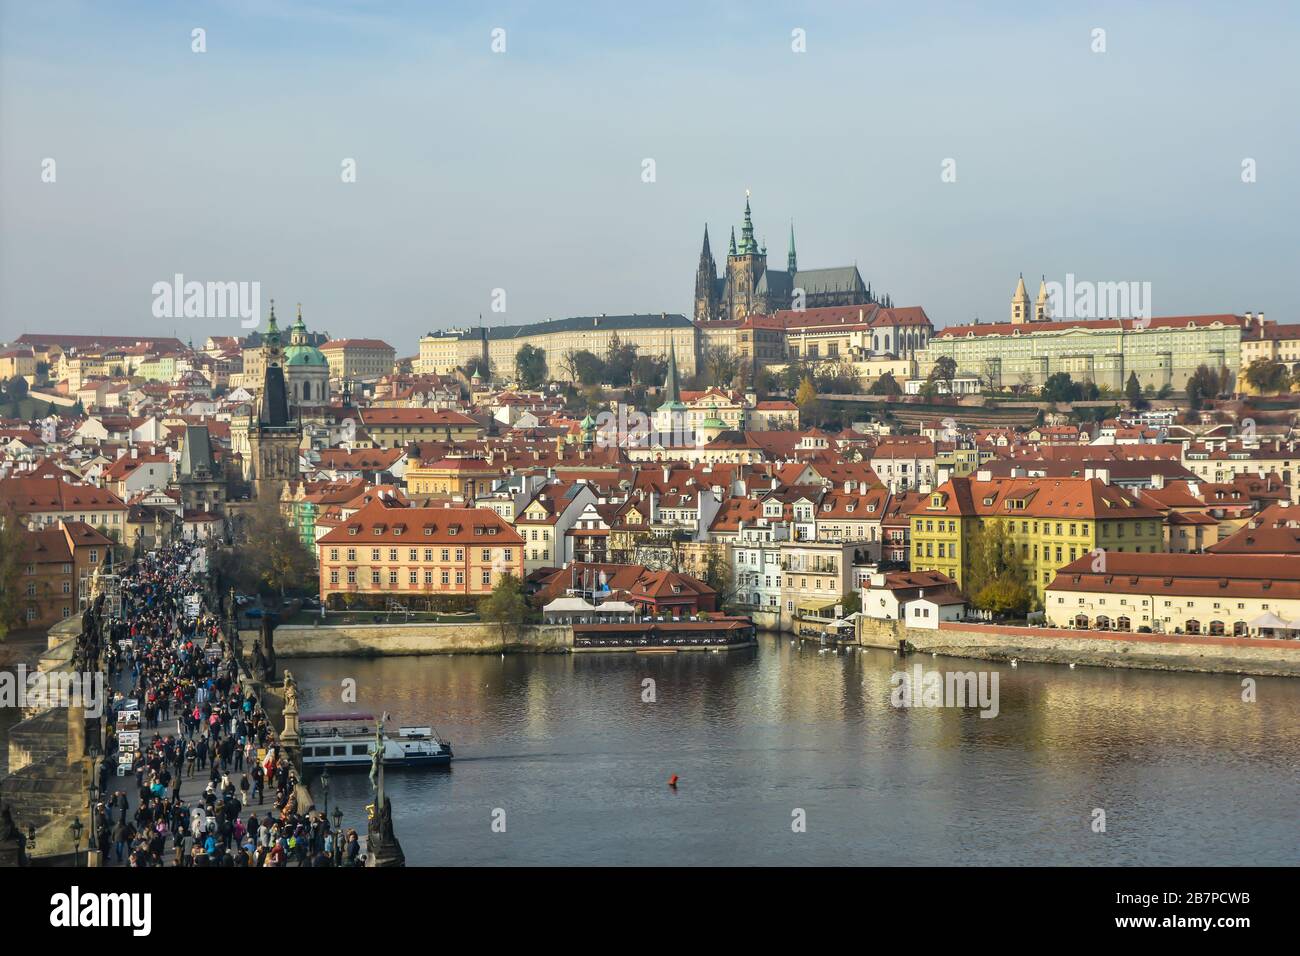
615, 607
568, 605
1271, 621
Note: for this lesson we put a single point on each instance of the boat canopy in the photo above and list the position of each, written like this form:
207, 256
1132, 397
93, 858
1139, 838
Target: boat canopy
334, 718
568, 605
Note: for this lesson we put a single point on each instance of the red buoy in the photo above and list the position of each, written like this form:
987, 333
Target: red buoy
672, 781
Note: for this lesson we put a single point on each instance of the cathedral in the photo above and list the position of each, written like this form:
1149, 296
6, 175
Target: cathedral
748, 286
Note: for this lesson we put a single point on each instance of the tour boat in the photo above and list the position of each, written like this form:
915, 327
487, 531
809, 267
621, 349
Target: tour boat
348, 740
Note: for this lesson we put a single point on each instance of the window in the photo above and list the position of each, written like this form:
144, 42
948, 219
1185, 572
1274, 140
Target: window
487, 578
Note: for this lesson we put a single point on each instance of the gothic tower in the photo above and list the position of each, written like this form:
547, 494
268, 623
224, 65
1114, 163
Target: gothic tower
1042, 308
1020, 303
745, 266
706, 284
273, 438
791, 263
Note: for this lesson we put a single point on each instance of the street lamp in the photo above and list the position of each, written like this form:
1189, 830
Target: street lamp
76, 829
325, 786
338, 837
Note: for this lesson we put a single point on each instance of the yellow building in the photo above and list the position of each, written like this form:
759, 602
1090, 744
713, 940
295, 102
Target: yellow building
359, 360
395, 427
1242, 595
455, 476
1049, 521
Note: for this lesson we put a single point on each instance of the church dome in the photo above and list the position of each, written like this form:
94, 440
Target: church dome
300, 353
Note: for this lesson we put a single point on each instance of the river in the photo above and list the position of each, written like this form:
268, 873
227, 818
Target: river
565, 752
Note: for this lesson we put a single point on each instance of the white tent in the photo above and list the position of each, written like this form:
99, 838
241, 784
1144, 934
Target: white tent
1271, 621
615, 607
568, 606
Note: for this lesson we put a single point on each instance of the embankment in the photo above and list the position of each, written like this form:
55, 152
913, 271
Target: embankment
387, 640
1222, 655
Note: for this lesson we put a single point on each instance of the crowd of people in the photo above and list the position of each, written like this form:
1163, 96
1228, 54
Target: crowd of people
197, 718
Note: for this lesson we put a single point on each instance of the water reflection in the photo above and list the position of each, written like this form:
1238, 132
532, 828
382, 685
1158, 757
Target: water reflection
1186, 771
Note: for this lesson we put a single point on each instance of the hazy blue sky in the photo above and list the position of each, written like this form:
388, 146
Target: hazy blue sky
522, 170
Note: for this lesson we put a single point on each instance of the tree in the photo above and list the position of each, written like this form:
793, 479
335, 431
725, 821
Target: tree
996, 572
1133, 390
17, 388
1268, 377
1005, 596
480, 365
530, 366
588, 367
274, 553
620, 357
720, 365
505, 605
806, 399
1202, 386
1059, 387
885, 385
944, 370
568, 366
717, 571
648, 370
12, 527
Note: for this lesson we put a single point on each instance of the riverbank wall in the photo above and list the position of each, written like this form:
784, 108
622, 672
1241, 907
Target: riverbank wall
1218, 655
395, 640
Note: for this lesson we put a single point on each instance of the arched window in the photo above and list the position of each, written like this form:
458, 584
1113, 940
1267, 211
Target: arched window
1192, 627
1216, 628
1103, 622
1123, 624
1081, 621
1239, 629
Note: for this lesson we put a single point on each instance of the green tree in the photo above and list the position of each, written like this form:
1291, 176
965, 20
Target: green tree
1059, 387
885, 385
996, 572
530, 366
1133, 390
505, 606
1268, 377
620, 357
945, 371
648, 370
588, 368
1203, 386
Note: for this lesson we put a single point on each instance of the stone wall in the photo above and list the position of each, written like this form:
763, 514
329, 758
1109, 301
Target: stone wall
1093, 648
382, 640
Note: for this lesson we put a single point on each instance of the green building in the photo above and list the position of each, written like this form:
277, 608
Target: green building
1161, 351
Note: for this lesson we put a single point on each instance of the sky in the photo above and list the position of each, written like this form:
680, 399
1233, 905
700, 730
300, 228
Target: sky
525, 170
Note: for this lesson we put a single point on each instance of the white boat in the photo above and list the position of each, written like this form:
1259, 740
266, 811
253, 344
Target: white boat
348, 740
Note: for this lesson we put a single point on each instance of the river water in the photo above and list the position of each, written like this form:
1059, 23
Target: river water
565, 752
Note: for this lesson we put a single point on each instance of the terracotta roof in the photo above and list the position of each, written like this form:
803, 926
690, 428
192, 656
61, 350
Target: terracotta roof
1190, 575
464, 527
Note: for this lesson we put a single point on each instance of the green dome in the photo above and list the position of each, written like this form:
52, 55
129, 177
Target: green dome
713, 422
304, 355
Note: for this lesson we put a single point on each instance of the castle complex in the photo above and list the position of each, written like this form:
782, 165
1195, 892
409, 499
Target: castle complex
749, 287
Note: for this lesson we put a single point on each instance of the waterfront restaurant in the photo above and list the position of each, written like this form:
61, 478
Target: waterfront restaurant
1241, 595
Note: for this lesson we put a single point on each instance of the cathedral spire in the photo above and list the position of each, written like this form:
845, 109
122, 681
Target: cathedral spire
732, 250
791, 263
747, 244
